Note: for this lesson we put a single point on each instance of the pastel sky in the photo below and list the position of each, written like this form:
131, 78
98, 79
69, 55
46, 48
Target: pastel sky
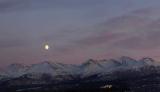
78, 30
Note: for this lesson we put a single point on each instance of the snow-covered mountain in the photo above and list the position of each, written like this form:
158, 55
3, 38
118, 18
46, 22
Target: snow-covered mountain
53, 69
92, 67
89, 68
37, 70
14, 70
102, 67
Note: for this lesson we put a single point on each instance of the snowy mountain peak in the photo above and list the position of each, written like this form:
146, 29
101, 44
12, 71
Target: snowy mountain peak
90, 62
46, 62
124, 60
43, 67
147, 59
90, 67
15, 70
16, 66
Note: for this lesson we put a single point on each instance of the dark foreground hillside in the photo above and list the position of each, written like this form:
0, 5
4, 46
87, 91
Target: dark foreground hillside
146, 79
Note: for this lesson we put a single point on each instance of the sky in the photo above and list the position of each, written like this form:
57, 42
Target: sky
78, 30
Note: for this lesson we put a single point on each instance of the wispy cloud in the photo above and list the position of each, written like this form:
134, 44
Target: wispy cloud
79, 29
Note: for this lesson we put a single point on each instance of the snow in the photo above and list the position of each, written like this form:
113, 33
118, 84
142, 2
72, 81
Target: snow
14, 70
103, 67
89, 68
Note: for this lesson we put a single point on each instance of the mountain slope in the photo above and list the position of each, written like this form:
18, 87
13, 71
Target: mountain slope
89, 68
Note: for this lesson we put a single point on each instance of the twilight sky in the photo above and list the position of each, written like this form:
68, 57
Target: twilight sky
77, 30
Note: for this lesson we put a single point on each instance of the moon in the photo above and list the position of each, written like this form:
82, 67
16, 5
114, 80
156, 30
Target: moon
46, 47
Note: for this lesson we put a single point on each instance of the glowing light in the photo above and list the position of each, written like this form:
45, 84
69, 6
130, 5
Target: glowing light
46, 47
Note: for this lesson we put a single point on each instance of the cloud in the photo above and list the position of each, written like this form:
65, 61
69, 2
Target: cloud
78, 29
131, 31
114, 29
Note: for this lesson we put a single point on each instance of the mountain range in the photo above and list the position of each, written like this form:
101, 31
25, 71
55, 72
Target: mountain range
68, 75
89, 68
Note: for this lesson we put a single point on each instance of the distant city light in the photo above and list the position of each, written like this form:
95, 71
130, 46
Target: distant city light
107, 86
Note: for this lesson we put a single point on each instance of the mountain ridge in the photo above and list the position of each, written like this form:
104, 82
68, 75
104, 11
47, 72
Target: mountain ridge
88, 68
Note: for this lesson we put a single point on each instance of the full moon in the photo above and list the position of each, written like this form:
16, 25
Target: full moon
46, 47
